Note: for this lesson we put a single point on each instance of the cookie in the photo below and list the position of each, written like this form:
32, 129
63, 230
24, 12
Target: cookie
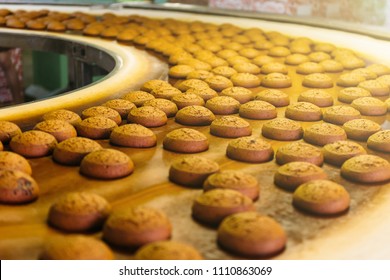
106, 164
61, 130
375, 87
147, 116
195, 116
258, 110
282, 129
230, 127
324, 47
290, 175
139, 97
380, 141
276, 97
262, 60
349, 94
153, 84
279, 51
164, 92
246, 80
366, 169
307, 68
213, 206
321, 197
134, 136
318, 97
13, 161
350, 79
122, 106
167, 250
218, 83
64, 115
250, 149
8, 130
239, 181
276, 80
247, 67
96, 127
225, 71
379, 69
370, 106
340, 114
303, 111
360, 129
79, 212
192, 171
274, 67
186, 140
338, 152
73, 150
366, 73
201, 74
317, 80
204, 93
324, 133
299, 151
331, 66
251, 234
102, 111
167, 106
180, 71
33, 143
241, 94
17, 187
75, 247
223, 105
190, 83
296, 59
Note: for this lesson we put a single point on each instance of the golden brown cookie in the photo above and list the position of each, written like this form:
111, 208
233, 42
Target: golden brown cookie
167, 250
307, 68
250, 149
192, 170
350, 79
360, 129
274, 67
318, 97
213, 206
79, 211
102, 111
106, 164
187, 99
133, 135
180, 71
164, 92
282, 129
241, 94
194, 115
258, 110
33, 143
366, 73
349, 94
190, 83
262, 60
76, 247
251, 234
17, 187
299, 151
13, 161
8, 130
290, 175
331, 66
276, 97
230, 127
223, 105
218, 83
204, 93
303, 111
225, 71
380, 141
73, 150
167, 106
338, 152
61, 130
186, 140
321, 197
279, 51
147, 116
366, 169
324, 133
340, 114
317, 80
96, 127
247, 67
370, 106
152, 84
234, 180
246, 80
139, 97
122, 106
64, 115
276, 80
379, 69
296, 59
375, 87
200, 74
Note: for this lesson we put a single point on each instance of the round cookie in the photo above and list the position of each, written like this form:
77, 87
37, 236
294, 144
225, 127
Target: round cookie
13, 161
380, 141
223, 105
370, 106
250, 149
201, 74
299, 151
230, 127
324, 133
318, 56
379, 69
102, 111
367, 74
122, 106
296, 59
246, 80
318, 97
360, 129
167, 106
276, 80
96, 127
225, 71
73, 150
275, 97
218, 83
247, 67
303, 111
187, 99
61, 130
186, 140
307, 68
7, 131
190, 83
75, 247
195, 116
338, 152
78, 212
147, 116
349, 94
192, 171
332, 66
282, 129
136, 227
133, 135
180, 71
366, 169
262, 60
241, 94
234, 180
321, 197
317, 80
165, 92
251, 234
340, 114
350, 79
167, 250
258, 110
33, 143
204, 93
375, 87
290, 175
279, 51
64, 115
139, 97
106, 164
17, 187
213, 206
274, 67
